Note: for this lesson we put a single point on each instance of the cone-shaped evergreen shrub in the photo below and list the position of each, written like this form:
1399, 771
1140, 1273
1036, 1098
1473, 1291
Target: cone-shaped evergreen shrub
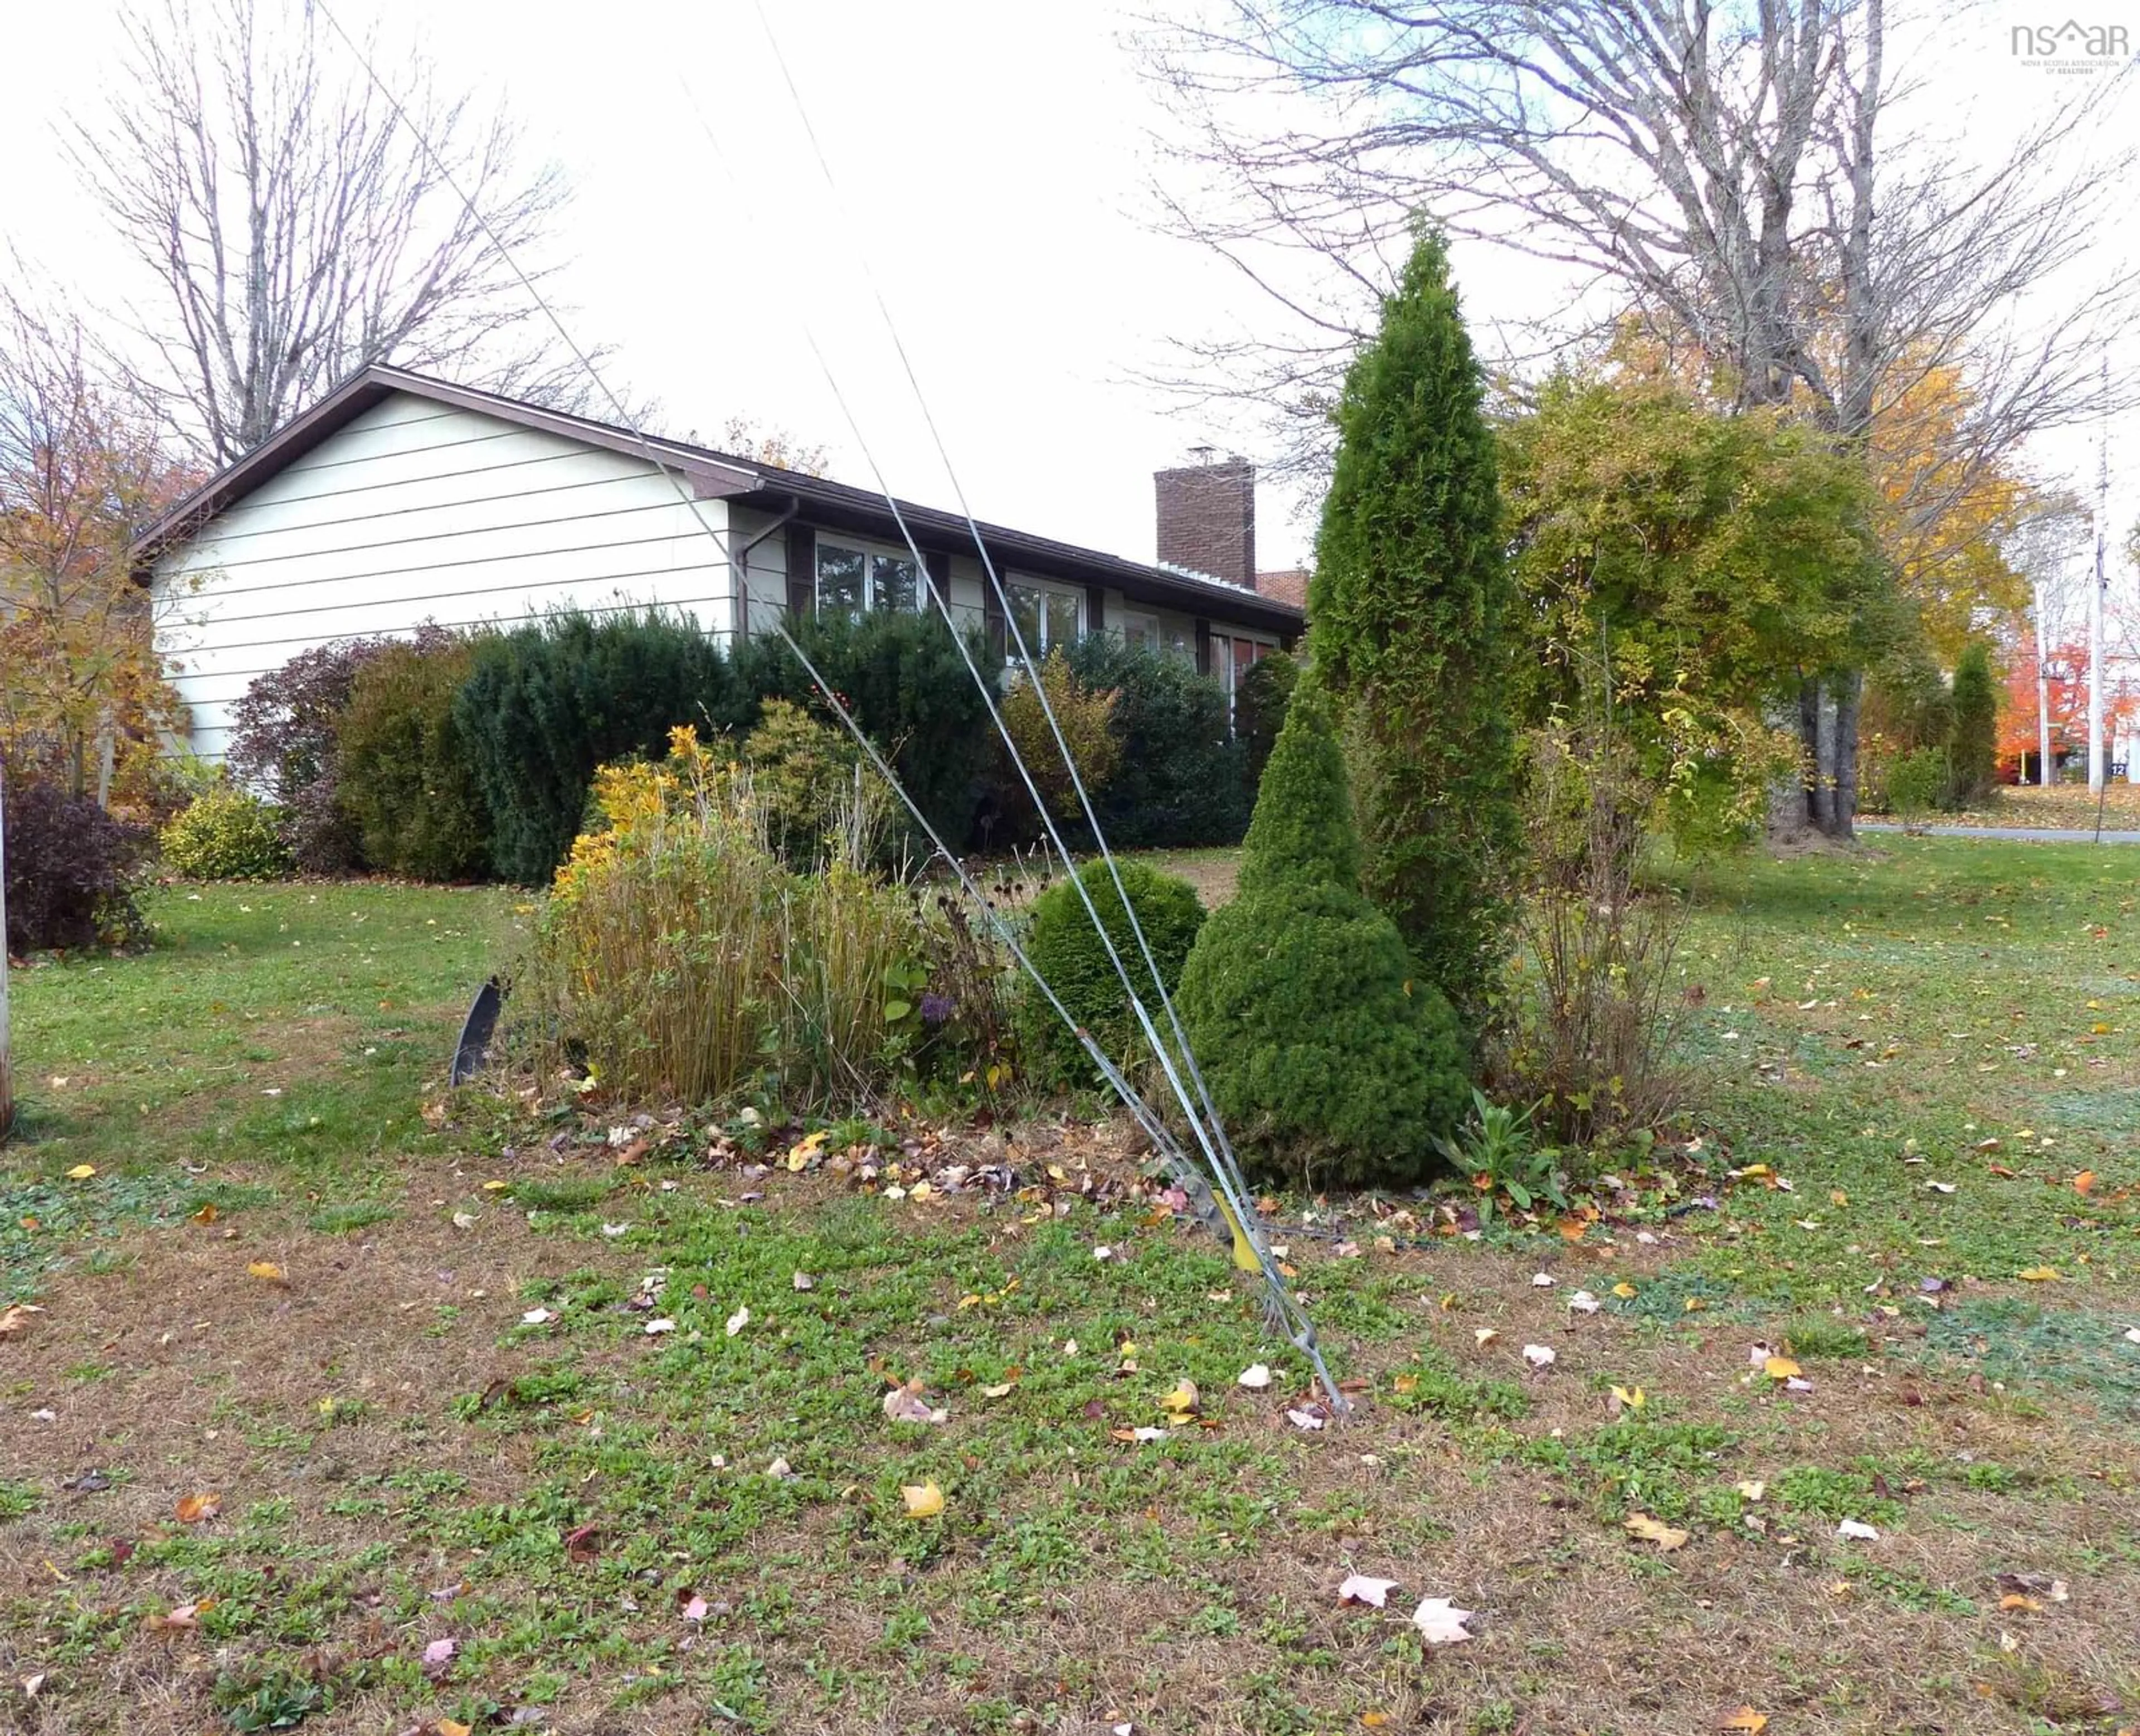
1066, 948
1331, 1057
1301, 829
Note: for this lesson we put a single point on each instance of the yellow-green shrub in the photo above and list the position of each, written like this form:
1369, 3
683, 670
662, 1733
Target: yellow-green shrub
227, 835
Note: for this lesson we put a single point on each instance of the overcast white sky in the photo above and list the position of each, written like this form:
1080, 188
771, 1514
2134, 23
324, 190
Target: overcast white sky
991, 161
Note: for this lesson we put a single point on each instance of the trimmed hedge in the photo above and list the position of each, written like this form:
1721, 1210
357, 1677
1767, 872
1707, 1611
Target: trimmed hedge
403, 774
545, 704
227, 835
902, 678
1066, 948
1333, 1060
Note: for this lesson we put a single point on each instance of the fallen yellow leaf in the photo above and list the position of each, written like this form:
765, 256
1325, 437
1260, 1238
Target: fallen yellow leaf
1746, 1719
1374, 1720
81, 1172
207, 1214
2013, 1601
2083, 1181
1630, 1398
449, 1727
192, 1509
1781, 1368
1667, 1538
1835, 1196
1692, 1305
266, 1269
1624, 1290
924, 1501
1180, 1404
2040, 1274
495, 1187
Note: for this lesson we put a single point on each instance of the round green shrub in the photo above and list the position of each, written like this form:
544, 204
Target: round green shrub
1067, 950
1332, 1060
227, 835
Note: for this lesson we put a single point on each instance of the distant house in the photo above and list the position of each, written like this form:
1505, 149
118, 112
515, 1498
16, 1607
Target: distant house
401, 499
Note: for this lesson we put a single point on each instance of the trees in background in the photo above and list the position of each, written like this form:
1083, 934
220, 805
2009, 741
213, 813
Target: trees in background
82, 695
1693, 569
290, 230
1718, 166
1408, 603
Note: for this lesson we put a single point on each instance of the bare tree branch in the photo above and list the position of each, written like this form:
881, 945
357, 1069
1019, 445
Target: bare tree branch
295, 231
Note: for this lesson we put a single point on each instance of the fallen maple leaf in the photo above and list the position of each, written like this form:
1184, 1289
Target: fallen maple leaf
267, 1271
81, 1172
1180, 1404
1752, 1489
183, 1619
16, 1318
924, 1501
2083, 1181
1667, 1538
1629, 1398
1440, 1621
192, 1509
1745, 1719
1360, 1588
905, 1404
1780, 1368
1624, 1290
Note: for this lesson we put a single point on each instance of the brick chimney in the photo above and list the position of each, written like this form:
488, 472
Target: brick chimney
1207, 517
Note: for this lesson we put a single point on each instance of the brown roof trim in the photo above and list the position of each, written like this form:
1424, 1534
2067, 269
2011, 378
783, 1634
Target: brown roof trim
714, 474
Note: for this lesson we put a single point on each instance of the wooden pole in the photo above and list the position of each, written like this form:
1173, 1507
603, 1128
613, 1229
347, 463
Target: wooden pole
6, 1054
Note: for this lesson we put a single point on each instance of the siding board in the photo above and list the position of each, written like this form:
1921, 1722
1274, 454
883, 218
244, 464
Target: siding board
415, 513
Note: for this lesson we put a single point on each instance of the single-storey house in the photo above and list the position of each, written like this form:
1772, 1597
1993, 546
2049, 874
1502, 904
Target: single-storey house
400, 499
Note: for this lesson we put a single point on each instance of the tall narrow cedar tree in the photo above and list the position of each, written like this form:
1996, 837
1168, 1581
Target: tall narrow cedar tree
1407, 610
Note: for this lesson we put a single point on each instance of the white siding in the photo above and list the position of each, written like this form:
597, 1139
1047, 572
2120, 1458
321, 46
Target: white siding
418, 512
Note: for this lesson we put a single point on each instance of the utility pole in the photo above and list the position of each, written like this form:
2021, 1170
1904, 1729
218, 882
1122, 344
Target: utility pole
2095, 762
2043, 693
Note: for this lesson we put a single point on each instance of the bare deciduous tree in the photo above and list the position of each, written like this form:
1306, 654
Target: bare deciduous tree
296, 230
1750, 178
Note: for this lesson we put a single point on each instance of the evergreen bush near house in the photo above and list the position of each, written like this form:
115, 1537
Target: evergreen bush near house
1260, 698
1975, 752
1067, 949
402, 770
227, 835
545, 704
902, 679
1180, 781
72, 870
1407, 600
1332, 1058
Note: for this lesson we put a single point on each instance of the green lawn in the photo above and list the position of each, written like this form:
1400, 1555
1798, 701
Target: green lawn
408, 1350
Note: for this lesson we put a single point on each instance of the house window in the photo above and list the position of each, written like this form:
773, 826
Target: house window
1140, 629
1048, 617
850, 580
